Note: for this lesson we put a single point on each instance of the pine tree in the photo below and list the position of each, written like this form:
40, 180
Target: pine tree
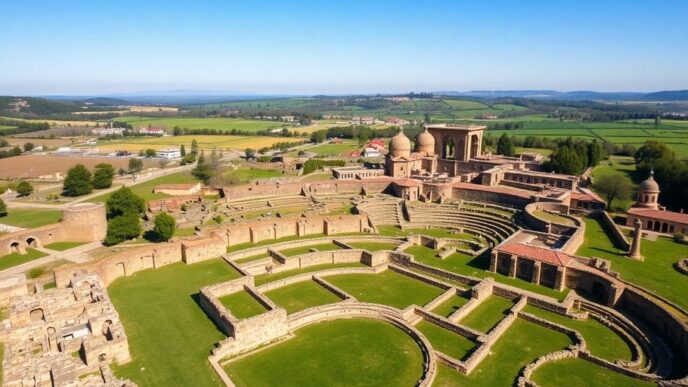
78, 181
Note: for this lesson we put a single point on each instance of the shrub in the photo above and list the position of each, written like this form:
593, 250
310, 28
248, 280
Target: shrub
3, 208
218, 219
678, 237
78, 181
24, 188
36, 272
122, 228
313, 165
103, 176
164, 227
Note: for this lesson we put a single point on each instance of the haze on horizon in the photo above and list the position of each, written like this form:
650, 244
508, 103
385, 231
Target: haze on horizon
306, 47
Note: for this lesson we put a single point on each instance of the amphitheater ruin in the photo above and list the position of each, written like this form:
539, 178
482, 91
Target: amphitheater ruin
445, 198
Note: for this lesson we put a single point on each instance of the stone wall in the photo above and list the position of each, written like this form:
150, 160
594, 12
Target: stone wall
196, 250
614, 230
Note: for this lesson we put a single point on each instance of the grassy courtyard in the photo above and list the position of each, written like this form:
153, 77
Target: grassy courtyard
522, 343
301, 295
373, 246
336, 353
464, 264
14, 259
578, 372
242, 304
329, 246
446, 341
387, 288
170, 337
656, 273
450, 306
62, 246
265, 278
27, 218
488, 314
145, 189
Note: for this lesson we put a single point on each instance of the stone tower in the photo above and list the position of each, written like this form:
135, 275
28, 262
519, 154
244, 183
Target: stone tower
84, 222
648, 193
634, 251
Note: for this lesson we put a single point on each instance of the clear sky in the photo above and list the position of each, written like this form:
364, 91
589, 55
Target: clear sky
294, 47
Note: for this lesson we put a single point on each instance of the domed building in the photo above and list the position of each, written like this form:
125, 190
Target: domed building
400, 145
425, 143
652, 216
648, 193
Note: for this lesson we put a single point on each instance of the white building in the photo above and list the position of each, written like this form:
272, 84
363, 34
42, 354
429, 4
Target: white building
170, 153
108, 132
371, 152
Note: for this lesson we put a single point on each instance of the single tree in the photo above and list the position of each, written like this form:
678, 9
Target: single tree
122, 228
319, 136
164, 226
24, 188
103, 175
202, 171
78, 181
194, 146
135, 166
505, 146
250, 153
182, 151
612, 187
150, 152
124, 201
28, 147
3, 208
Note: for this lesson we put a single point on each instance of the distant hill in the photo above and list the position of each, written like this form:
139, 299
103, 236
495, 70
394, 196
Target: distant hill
671, 95
547, 94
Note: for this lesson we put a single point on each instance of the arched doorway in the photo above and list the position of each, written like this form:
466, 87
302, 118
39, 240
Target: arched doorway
14, 248
32, 242
449, 151
475, 146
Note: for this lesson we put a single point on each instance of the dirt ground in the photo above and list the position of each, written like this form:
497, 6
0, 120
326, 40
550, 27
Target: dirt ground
33, 166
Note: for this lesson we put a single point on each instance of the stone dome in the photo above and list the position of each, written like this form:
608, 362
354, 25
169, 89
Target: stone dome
400, 145
649, 185
425, 143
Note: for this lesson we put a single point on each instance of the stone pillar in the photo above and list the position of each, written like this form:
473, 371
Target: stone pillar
537, 268
561, 279
493, 261
512, 266
634, 251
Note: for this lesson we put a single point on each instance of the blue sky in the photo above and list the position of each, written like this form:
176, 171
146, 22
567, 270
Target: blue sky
306, 47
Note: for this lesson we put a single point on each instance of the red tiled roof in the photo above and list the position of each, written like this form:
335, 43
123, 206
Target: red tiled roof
551, 257
486, 188
669, 216
407, 182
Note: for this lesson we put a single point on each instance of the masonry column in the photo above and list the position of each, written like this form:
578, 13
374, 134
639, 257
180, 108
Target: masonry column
537, 268
561, 278
634, 251
493, 261
512, 266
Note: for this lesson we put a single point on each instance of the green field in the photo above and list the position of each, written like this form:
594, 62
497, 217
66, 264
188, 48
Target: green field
301, 295
14, 259
616, 165
446, 341
387, 288
373, 246
334, 149
62, 246
656, 273
244, 175
27, 218
205, 142
265, 278
242, 304
581, 373
223, 124
487, 314
145, 189
450, 306
170, 337
335, 353
522, 343
307, 249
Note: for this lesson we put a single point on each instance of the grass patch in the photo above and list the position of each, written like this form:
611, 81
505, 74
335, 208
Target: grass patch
307, 249
601, 340
656, 273
145, 189
244, 175
578, 372
477, 267
488, 314
170, 337
387, 288
185, 232
335, 353
432, 232
301, 295
242, 304
450, 306
522, 343
62, 246
15, 259
373, 246
252, 258
265, 278
553, 218
26, 218
446, 341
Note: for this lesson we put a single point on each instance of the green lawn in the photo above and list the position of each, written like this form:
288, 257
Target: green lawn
27, 218
578, 372
488, 314
373, 246
554, 218
252, 258
656, 273
616, 165
387, 288
333, 149
450, 306
477, 267
301, 295
170, 337
602, 341
329, 246
62, 246
145, 189
222, 124
242, 304
184, 232
14, 259
446, 341
432, 232
522, 343
265, 278
244, 175
335, 353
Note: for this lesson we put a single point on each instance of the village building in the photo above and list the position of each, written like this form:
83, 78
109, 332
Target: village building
169, 153
652, 216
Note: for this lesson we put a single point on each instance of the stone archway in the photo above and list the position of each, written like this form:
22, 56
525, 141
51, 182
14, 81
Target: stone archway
15, 248
32, 242
475, 146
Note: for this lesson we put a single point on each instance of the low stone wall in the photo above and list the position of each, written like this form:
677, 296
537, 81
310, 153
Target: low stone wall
682, 266
616, 233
